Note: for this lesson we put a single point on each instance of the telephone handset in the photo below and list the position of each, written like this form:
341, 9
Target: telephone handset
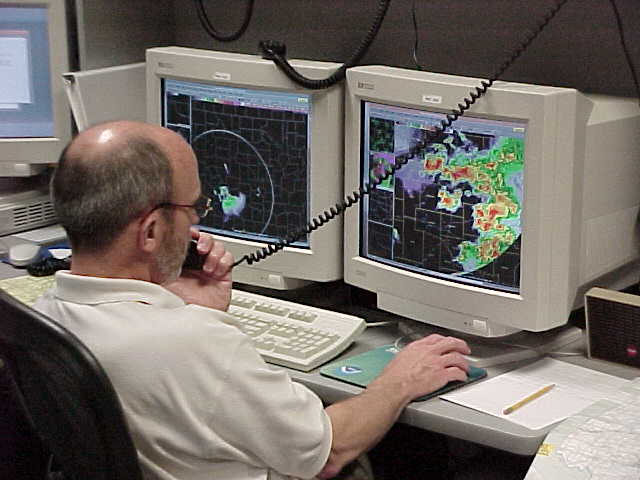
193, 260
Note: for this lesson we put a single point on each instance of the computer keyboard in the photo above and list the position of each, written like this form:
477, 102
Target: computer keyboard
284, 333
293, 335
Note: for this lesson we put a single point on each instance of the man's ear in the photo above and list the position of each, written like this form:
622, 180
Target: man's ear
150, 233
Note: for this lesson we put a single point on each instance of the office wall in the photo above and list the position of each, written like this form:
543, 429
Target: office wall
580, 48
116, 32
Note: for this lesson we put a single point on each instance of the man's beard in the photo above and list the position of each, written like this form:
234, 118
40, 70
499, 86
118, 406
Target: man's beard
171, 257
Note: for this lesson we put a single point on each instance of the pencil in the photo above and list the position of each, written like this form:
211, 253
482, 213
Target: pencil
527, 399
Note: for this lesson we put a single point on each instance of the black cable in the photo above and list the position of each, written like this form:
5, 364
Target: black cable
401, 160
276, 51
206, 23
502, 68
415, 36
623, 43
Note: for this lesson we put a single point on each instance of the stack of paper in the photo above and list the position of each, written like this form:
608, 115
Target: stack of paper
575, 388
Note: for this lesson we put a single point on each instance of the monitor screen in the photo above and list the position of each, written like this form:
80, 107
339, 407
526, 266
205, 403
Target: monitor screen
35, 123
25, 80
253, 154
452, 211
270, 156
499, 222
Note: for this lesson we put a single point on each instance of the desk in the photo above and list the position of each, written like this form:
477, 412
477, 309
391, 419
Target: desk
448, 418
438, 415
7, 271
435, 414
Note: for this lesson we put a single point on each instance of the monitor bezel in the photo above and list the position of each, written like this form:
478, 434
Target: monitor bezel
556, 121
45, 150
321, 261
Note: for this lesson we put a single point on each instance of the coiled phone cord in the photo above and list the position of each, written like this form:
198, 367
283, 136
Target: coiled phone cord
276, 51
401, 160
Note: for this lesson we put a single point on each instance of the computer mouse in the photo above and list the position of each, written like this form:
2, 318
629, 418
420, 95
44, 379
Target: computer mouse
23, 254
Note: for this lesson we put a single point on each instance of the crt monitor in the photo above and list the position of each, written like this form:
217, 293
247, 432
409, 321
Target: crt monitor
500, 222
270, 155
35, 123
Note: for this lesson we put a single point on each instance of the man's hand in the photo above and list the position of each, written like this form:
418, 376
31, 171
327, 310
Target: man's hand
424, 366
211, 286
421, 367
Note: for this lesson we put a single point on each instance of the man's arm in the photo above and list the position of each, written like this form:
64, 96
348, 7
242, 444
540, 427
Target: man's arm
361, 421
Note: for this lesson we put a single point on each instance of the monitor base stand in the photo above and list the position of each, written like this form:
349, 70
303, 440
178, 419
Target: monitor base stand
489, 352
21, 169
262, 278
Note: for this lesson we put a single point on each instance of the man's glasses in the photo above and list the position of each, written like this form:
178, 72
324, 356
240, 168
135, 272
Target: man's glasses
202, 206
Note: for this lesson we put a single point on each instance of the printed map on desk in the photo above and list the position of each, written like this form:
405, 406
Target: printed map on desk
363, 368
601, 442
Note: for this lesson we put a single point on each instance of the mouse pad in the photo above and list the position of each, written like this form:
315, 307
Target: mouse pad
363, 368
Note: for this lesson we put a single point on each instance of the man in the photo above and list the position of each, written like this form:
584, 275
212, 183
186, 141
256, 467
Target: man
199, 400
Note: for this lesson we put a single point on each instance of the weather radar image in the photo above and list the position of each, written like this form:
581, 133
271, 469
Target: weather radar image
454, 210
252, 149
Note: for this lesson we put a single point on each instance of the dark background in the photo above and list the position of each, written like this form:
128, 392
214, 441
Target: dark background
580, 48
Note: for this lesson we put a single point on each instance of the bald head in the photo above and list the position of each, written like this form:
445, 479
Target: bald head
113, 172
99, 142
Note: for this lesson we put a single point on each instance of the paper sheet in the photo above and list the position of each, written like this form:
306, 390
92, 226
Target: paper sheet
15, 77
576, 388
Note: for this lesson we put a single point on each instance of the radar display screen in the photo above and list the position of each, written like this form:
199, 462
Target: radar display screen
454, 210
253, 149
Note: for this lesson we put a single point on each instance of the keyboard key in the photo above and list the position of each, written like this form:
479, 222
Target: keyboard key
293, 335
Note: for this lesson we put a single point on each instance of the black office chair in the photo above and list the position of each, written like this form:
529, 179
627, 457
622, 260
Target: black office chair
58, 387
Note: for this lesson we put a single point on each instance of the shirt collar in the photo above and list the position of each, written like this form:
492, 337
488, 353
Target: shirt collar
96, 290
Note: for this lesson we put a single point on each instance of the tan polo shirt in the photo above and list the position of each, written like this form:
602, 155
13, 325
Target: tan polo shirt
199, 400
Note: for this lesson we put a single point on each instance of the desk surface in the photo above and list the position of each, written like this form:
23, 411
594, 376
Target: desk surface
7, 271
438, 415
